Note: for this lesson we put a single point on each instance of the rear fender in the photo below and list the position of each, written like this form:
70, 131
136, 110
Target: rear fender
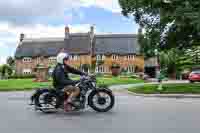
38, 92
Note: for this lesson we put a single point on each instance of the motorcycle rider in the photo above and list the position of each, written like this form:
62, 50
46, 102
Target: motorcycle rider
61, 80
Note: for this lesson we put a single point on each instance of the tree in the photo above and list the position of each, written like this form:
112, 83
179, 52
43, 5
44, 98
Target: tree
10, 61
147, 43
171, 23
171, 62
1, 70
5, 70
194, 53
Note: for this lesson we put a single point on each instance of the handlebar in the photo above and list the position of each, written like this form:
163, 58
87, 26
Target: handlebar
88, 77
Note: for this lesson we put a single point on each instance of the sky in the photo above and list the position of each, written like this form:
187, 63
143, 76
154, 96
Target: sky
47, 18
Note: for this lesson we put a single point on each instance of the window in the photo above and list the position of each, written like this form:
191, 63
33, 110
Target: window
100, 57
130, 57
105, 69
73, 57
38, 60
70, 57
52, 59
100, 69
27, 71
115, 57
131, 69
76, 57
27, 59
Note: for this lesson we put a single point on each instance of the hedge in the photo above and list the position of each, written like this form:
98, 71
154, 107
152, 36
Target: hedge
17, 76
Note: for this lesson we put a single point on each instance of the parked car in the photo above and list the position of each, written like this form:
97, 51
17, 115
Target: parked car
194, 76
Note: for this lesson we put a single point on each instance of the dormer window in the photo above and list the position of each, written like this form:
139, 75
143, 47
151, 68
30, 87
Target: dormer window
130, 57
27, 59
115, 57
100, 57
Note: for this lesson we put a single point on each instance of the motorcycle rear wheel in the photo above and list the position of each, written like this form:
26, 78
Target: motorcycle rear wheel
48, 104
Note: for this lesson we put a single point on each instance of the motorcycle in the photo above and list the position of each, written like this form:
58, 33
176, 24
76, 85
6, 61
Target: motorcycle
100, 99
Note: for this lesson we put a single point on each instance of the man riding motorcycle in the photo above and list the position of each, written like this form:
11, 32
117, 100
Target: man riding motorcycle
61, 80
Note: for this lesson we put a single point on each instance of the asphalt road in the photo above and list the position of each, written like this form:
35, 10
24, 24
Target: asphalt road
131, 114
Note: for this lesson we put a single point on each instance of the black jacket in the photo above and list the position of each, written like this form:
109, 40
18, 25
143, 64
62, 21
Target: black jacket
61, 77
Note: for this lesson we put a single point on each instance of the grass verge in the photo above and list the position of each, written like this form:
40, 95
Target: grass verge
28, 84
168, 89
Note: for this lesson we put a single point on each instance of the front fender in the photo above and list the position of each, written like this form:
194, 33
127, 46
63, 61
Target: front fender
104, 88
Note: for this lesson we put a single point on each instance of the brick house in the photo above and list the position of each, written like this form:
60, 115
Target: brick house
84, 50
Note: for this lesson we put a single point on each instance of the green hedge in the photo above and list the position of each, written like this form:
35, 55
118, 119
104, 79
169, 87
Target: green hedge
17, 76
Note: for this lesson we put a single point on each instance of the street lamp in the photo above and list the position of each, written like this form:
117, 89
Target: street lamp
158, 72
157, 62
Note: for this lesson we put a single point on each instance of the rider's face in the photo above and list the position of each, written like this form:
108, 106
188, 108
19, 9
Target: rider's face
66, 61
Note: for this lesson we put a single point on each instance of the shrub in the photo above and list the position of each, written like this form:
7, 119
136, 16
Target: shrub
103, 86
115, 66
18, 76
107, 76
5, 70
134, 76
99, 74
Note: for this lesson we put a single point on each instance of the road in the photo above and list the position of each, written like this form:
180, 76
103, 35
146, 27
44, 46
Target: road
131, 114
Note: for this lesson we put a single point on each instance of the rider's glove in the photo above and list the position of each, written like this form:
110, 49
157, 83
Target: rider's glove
76, 82
85, 74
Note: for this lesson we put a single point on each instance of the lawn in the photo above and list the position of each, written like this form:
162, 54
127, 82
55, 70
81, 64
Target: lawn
117, 81
21, 84
168, 89
28, 84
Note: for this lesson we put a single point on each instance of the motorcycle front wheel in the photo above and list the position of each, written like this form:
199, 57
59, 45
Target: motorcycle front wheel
101, 100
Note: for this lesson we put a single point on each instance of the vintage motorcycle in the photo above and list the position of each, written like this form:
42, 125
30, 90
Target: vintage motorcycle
100, 99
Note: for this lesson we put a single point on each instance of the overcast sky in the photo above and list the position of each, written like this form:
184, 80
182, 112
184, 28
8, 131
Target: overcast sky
46, 18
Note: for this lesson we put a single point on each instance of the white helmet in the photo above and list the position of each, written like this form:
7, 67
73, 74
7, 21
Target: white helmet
61, 57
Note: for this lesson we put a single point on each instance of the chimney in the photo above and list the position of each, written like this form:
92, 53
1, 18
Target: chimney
67, 32
91, 33
22, 36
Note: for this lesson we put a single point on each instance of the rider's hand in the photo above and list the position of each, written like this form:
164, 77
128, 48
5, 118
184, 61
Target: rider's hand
85, 74
76, 82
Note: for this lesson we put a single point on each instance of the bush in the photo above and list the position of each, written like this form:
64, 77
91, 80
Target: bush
134, 76
18, 76
5, 70
115, 66
107, 76
123, 71
99, 74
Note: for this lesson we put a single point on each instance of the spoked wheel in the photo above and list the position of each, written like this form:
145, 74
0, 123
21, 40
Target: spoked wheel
46, 102
101, 100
